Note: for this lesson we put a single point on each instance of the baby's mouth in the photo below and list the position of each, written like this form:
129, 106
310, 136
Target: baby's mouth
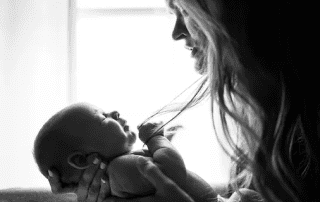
126, 128
131, 137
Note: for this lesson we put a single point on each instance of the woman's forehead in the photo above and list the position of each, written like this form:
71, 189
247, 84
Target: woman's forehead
211, 3
170, 3
173, 5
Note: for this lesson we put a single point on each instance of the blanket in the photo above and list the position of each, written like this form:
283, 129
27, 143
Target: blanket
34, 195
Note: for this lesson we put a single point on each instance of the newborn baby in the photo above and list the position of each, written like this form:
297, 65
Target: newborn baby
76, 131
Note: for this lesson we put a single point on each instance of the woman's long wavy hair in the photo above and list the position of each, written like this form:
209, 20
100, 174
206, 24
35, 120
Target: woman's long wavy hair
275, 146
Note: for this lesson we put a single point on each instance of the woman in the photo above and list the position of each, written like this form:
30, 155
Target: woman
257, 59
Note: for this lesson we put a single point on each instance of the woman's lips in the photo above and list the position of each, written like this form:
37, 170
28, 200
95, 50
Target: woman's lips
194, 52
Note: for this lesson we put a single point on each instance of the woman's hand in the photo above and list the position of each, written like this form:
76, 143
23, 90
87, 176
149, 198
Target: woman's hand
92, 187
166, 189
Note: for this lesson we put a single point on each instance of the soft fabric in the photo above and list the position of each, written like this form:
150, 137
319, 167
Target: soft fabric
34, 195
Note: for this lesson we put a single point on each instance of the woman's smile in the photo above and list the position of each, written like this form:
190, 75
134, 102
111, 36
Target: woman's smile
194, 52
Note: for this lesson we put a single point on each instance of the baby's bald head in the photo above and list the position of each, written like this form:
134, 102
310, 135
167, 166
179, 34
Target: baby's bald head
72, 134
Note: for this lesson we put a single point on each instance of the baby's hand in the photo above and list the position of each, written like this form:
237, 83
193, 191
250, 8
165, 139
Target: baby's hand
147, 130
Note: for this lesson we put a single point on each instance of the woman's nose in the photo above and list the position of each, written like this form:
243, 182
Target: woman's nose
180, 30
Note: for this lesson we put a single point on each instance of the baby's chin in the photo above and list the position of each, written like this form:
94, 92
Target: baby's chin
129, 146
132, 137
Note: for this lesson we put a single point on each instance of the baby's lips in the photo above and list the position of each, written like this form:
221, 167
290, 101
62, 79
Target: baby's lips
126, 128
132, 136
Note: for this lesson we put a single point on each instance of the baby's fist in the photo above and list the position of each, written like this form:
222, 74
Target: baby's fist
148, 130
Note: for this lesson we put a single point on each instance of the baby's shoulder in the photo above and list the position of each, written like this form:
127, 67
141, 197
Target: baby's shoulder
127, 159
124, 163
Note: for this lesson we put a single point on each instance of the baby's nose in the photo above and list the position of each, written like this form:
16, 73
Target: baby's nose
115, 115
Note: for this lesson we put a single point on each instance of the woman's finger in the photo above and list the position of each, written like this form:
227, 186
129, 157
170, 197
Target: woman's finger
105, 190
87, 178
54, 181
95, 187
57, 187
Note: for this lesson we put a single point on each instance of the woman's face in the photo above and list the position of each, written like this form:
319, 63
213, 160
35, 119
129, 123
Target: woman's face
187, 29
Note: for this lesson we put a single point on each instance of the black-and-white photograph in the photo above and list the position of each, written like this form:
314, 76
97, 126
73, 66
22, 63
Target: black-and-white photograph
158, 100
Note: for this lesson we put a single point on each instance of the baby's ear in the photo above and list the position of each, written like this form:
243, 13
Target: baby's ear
78, 160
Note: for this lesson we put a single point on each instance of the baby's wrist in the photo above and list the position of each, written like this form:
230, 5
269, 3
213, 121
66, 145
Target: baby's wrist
151, 137
149, 130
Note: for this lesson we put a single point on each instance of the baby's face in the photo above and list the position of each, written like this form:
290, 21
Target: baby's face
106, 133
115, 125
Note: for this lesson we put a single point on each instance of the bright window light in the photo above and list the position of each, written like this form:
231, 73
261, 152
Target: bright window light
93, 4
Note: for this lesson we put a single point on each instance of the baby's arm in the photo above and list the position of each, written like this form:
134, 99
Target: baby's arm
164, 155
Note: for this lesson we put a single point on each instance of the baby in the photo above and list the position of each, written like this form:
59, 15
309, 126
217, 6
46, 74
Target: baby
78, 130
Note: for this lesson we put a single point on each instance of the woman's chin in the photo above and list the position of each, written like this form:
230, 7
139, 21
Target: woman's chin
200, 67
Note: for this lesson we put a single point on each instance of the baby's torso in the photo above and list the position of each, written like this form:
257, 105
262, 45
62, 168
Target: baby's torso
125, 179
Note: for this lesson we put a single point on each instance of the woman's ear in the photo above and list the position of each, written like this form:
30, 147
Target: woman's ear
78, 160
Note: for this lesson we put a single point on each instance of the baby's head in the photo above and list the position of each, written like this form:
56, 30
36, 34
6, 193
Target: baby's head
76, 131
